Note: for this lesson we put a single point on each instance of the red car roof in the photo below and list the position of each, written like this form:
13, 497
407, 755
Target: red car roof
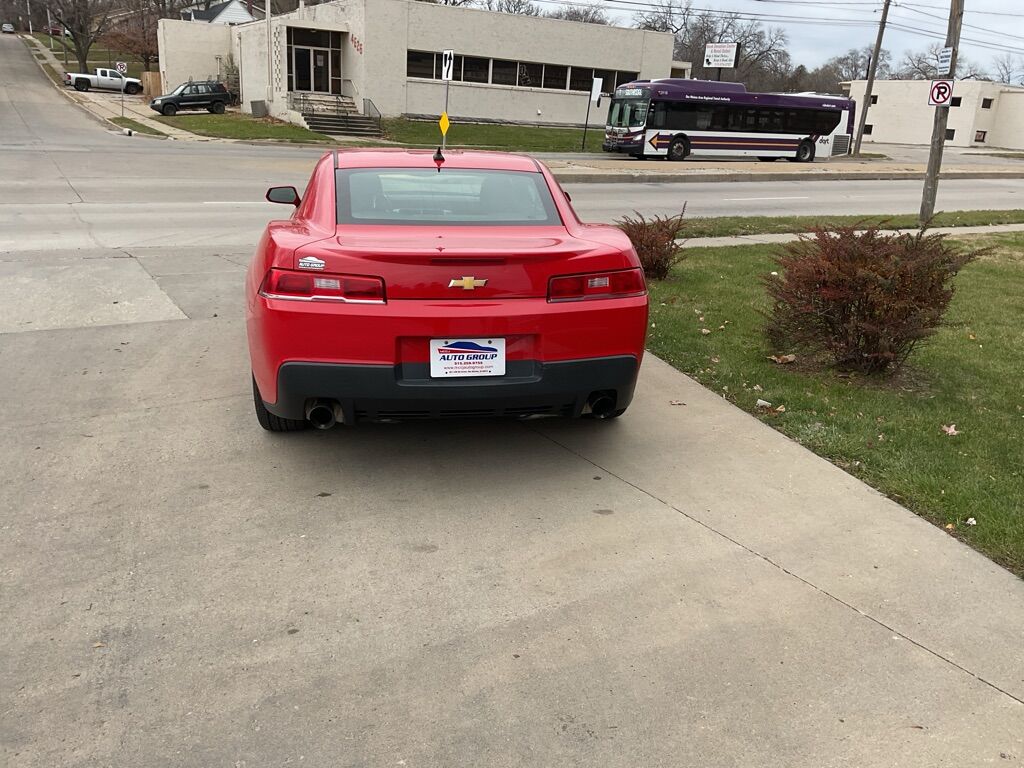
424, 158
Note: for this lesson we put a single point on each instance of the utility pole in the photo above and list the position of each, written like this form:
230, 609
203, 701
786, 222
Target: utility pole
270, 56
49, 28
28, 9
872, 67
931, 179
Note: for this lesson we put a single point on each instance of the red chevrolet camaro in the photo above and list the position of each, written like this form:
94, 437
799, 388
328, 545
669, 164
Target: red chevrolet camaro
414, 285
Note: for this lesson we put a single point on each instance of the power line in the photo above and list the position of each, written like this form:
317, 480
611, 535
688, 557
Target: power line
971, 26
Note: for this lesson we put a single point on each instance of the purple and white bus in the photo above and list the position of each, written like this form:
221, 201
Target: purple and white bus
675, 118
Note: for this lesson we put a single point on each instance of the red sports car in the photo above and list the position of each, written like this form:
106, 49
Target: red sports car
415, 285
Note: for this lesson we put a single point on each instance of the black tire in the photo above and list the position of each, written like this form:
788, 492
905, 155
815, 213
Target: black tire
217, 108
169, 110
131, 89
679, 149
81, 84
805, 152
269, 421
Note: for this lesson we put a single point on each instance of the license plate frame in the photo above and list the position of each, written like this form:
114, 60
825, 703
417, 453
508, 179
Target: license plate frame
457, 357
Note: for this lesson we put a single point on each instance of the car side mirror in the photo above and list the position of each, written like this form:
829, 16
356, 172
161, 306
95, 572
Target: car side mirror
286, 195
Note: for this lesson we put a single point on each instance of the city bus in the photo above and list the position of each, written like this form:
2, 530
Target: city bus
676, 119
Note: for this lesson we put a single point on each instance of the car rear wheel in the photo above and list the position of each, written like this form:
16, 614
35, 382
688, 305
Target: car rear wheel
217, 108
131, 89
269, 421
81, 84
169, 110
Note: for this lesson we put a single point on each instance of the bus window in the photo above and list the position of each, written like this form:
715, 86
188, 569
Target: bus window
657, 115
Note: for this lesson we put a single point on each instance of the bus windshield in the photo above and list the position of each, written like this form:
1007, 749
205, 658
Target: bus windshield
628, 113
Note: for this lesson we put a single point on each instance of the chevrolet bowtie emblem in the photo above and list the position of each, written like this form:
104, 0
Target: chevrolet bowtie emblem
467, 283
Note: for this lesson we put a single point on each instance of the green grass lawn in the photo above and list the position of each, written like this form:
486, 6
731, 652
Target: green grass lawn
135, 125
887, 432
234, 125
515, 138
732, 226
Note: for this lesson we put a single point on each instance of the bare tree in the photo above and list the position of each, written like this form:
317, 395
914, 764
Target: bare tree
1007, 68
591, 14
854, 64
133, 27
450, 2
86, 20
924, 65
515, 7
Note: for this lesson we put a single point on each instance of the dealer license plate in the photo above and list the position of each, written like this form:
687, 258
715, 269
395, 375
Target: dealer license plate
467, 357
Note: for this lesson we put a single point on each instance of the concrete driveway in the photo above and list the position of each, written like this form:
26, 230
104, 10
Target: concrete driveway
683, 587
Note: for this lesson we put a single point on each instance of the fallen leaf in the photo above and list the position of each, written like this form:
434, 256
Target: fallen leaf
971, 521
950, 526
676, 402
971, 336
950, 429
701, 318
705, 331
781, 409
758, 388
783, 359
763, 403
715, 360
98, 644
721, 327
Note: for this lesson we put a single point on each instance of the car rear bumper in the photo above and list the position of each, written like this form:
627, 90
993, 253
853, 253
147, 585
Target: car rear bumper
406, 391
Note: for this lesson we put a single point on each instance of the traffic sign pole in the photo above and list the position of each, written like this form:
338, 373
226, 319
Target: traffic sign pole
447, 70
444, 136
931, 179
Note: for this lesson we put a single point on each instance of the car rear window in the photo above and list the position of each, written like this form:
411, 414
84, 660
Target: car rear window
451, 197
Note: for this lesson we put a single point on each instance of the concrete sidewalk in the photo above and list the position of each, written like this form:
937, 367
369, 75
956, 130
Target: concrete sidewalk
714, 242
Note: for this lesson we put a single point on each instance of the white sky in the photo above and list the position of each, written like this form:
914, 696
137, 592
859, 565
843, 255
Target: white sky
812, 43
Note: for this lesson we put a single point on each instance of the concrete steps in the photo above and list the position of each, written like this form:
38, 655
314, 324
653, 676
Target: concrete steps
344, 124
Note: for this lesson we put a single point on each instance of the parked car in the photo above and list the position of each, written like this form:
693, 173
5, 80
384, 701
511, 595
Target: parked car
406, 286
205, 94
106, 79
7, 29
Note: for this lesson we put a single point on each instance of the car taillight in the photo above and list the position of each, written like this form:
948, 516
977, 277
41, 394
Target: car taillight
308, 286
597, 285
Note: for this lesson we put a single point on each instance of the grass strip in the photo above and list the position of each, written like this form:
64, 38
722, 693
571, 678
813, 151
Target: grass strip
235, 125
888, 431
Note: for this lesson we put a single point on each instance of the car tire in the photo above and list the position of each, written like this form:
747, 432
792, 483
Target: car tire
169, 110
81, 85
217, 108
805, 152
269, 421
132, 89
679, 149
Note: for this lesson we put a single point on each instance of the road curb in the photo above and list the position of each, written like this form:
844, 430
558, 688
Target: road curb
574, 177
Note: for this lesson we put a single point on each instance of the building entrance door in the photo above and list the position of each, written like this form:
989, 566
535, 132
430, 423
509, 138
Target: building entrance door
312, 69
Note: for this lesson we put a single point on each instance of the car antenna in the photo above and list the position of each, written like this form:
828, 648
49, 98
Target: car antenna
438, 159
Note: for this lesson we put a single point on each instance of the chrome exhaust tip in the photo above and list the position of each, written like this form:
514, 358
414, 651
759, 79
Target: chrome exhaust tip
322, 414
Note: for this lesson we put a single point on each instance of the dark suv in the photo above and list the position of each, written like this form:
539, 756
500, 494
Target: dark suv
203, 94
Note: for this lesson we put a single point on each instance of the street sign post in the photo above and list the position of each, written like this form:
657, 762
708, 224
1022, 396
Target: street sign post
447, 70
595, 98
940, 93
721, 56
122, 69
945, 58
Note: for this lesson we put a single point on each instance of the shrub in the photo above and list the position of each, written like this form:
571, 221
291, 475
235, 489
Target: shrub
862, 300
654, 241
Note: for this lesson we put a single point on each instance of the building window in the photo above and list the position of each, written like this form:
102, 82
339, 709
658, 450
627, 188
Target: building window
475, 70
504, 72
621, 78
986, 103
867, 129
555, 76
607, 80
419, 64
955, 101
874, 98
979, 136
530, 75
580, 79
950, 134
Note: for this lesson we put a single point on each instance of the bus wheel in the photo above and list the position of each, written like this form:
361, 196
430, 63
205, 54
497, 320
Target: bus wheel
805, 152
678, 149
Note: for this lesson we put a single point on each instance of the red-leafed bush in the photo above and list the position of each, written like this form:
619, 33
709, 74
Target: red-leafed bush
654, 240
863, 300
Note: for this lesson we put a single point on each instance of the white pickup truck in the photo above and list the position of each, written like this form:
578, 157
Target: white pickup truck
109, 79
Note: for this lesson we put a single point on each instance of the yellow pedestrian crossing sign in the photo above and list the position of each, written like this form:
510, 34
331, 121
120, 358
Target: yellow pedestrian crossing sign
444, 123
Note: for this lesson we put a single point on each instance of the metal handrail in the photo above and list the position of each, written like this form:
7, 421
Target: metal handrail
370, 110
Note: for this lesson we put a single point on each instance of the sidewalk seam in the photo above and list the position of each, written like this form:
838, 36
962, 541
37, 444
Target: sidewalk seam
781, 568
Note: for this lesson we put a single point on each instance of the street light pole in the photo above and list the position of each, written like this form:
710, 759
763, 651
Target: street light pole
872, 68
28, 10
931, 179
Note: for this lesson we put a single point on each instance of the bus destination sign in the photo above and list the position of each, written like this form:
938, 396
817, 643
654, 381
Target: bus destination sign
631, 93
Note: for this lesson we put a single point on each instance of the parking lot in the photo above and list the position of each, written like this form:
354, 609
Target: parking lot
682, 587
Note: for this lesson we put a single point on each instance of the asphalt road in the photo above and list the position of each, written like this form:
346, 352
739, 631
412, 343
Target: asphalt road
683, 587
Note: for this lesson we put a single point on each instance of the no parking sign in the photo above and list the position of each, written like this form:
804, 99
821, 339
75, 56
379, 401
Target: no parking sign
940, 94
121, 66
